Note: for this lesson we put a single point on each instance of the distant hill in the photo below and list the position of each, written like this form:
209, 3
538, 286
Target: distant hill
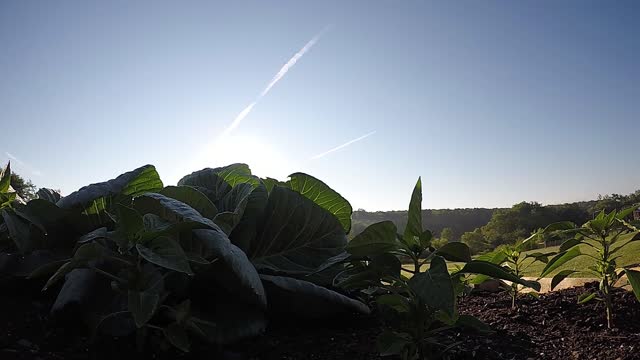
498, 225
459, 220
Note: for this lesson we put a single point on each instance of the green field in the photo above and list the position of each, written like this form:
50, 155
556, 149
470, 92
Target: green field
629, 256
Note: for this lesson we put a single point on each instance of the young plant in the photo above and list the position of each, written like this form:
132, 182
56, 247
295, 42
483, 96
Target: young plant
422, 305
607, 235
514, 259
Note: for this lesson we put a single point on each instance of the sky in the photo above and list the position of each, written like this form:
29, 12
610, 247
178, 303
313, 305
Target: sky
490, 102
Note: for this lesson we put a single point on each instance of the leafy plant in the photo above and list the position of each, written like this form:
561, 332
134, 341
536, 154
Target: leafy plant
201, 259
608, 235
513, 259
424, 305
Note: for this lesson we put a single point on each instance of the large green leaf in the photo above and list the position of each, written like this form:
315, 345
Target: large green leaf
455, 251
559, 226
164, 252
568, 244
434, 287
270, 183
81, 258
232, 207
560, 260
246, 230
232, 271
557, 279
376, 239
5, 178
142, 305
45, 215
414, 217
396, 302
236, 174
495, 271
216, 183
295, 235
92, 198
622, 214
305, 300
20, 232
170, 209
323, 195
50, 195
192, 197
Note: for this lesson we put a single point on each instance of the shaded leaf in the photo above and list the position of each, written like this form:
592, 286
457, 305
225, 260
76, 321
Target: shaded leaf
92, 198
192, 197
166, 253
170, 209
305, 300
376, 239
394, 301
557, 279
434, 287
142, 305
455, 251
413, 230
49, 195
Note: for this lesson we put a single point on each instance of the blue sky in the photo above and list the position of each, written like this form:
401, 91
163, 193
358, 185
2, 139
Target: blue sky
491, 102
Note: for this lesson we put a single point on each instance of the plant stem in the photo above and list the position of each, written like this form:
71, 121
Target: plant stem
416, 265
606, 286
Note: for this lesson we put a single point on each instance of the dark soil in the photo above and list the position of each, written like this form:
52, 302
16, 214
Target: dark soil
556, 327
551, 327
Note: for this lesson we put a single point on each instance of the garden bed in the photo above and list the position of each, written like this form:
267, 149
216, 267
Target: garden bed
551, 327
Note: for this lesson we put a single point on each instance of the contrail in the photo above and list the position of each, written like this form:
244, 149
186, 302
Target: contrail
342, 146
283, 70
234, 124
292, 61
26, 166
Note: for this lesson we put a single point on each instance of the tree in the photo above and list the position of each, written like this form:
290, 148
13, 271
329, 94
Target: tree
475, 240
447, 234
25, 188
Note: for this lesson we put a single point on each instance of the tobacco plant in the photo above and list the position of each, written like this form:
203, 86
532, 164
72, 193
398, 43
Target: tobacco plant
607, 235
423, 304
198, 260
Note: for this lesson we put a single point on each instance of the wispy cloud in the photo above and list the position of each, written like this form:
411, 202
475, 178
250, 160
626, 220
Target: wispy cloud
24, 165
342, 146
281, 73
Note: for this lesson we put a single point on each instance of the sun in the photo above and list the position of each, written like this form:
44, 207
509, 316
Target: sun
264, 159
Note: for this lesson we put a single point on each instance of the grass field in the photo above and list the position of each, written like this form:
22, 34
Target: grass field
630, 255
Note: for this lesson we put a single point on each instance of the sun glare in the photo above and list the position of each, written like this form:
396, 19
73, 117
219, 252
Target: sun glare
265, 159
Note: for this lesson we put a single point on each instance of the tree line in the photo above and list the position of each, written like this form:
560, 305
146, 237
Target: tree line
485, 229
